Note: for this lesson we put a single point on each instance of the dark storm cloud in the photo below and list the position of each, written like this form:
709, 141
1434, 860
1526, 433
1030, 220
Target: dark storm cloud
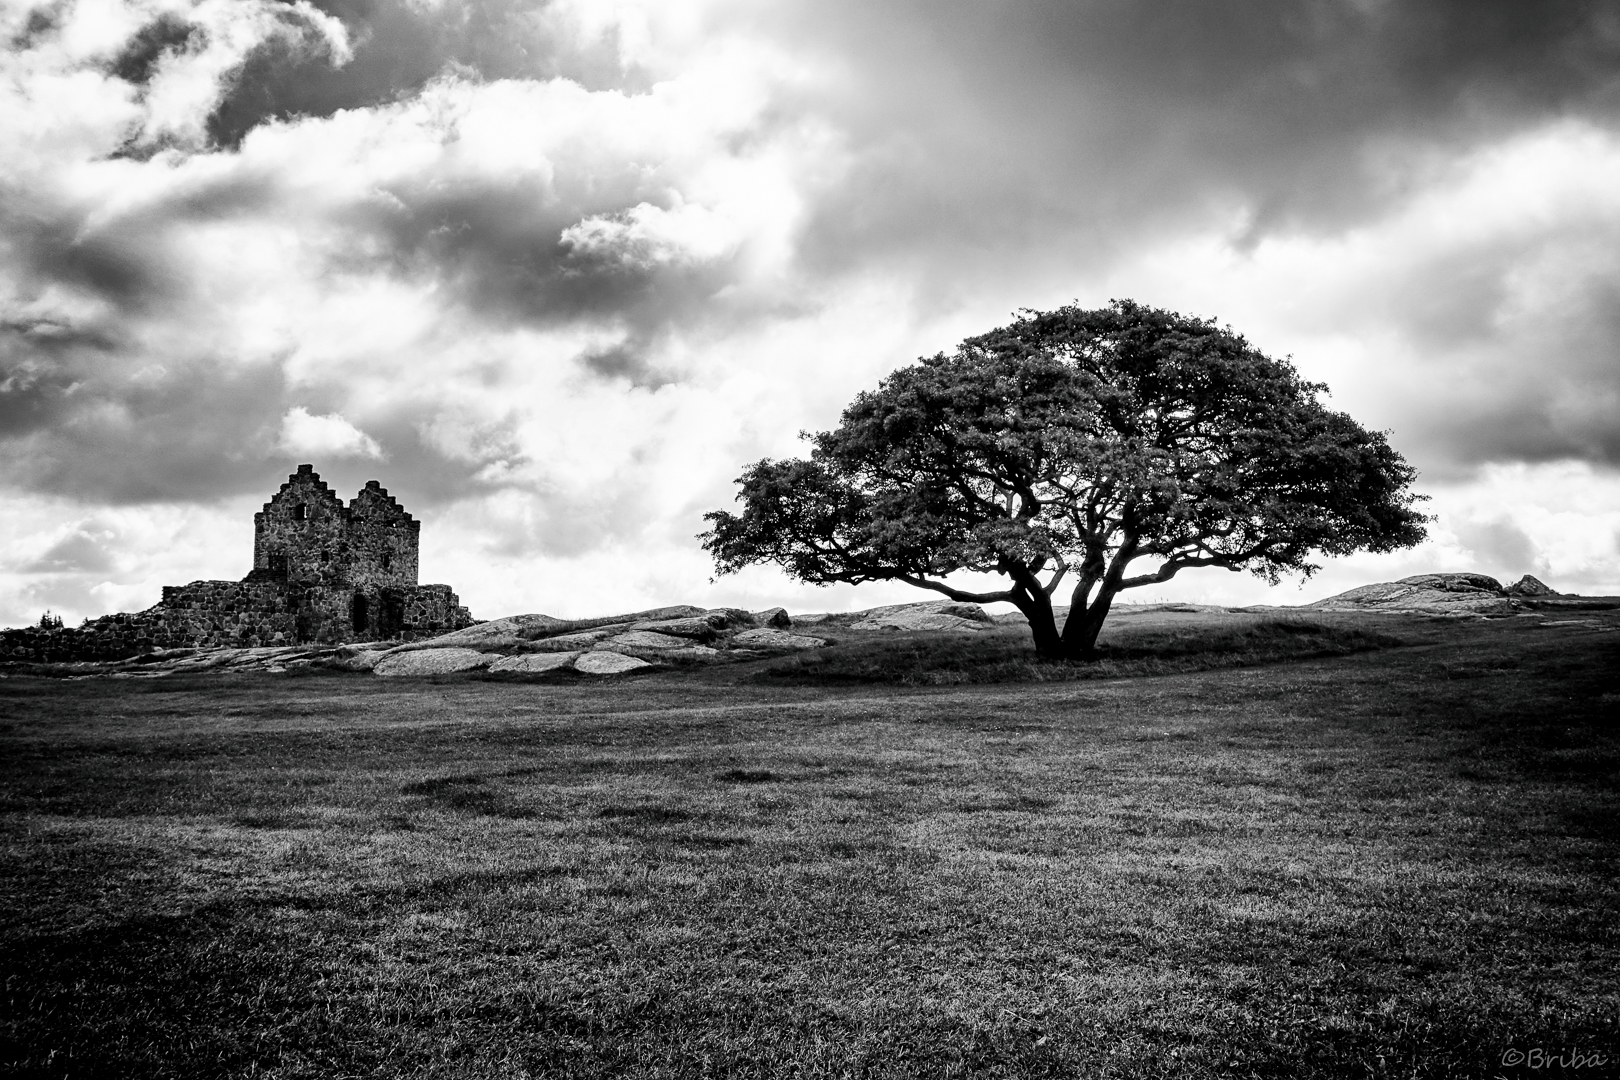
1552, 399
82, 552
1515, 346
187, 433
199, 431
501, 250
1499, 545
398, 48
1024, 142
165, 34
979, 125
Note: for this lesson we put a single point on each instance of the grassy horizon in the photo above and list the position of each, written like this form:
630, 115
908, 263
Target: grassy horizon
1389, 860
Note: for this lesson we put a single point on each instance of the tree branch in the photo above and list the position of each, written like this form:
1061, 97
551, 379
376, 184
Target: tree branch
959, 595
1062, 568
1173, 567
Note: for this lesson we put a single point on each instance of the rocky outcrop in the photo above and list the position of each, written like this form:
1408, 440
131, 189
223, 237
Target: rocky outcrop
770, 638
608, 663
1529, 586
938, 615
928, 615
611, 645
433, 661
1438, 594
534, 663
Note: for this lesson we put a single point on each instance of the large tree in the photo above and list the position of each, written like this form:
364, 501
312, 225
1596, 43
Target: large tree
1075, 445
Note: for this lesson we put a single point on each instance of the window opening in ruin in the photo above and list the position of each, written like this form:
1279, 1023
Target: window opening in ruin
360, 614
300, 512
387, 559
326, 556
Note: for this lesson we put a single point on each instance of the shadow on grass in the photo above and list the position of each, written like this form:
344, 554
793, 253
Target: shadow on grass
1005, 656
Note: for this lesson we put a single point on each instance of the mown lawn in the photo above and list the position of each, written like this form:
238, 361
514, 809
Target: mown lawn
1399, 861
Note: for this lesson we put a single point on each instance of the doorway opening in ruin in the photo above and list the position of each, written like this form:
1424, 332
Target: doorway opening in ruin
360, 613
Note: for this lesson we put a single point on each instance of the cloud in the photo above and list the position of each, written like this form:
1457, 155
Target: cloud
568, 266
82, 551
1499, 545
330, 436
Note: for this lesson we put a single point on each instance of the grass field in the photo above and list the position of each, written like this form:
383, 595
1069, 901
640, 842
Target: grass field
1372, 847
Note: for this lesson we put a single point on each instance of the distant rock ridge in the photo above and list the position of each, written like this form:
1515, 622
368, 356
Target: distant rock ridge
1444, 594
683, 635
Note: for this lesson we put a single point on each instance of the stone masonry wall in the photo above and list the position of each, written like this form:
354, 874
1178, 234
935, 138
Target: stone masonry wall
322, 572
236, 614
202, 614
302, 531
382, 541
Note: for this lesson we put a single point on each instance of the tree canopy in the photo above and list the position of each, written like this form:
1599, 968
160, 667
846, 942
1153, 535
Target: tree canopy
1073, 445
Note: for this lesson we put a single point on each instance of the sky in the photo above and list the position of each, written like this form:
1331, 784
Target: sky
554, 273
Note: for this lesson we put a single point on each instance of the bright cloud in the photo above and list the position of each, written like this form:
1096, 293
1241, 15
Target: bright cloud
331, 436
567, 268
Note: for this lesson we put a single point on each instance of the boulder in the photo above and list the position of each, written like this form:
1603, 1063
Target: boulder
937, 615
507, 633
767, 638
571, 642
607, 663
772, 617
690, 652
643, 640
1529, 586
356, 659
679, 611
433, 661
534, 662
1454, 582
1433, 594
705, 627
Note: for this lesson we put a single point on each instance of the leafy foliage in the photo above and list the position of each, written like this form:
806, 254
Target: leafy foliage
1076, 442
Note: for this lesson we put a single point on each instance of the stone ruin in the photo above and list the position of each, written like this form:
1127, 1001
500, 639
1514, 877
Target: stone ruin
322, 572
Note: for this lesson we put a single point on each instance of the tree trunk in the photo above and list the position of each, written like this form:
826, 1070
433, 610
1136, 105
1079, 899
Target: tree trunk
1081, 628
1037, 608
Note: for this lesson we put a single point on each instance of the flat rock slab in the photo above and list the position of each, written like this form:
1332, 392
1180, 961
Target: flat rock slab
766, 638
690, 652
644, 639
1423, 594
571, 642
917, 620
607, 663
701, 627
434, 661
533, 662
497, 634
358, 660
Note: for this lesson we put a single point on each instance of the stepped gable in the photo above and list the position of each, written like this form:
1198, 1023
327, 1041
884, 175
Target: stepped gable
323, 572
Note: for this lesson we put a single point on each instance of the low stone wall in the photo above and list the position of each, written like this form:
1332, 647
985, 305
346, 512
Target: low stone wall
258, 611
202, 614
431, 610
234, 613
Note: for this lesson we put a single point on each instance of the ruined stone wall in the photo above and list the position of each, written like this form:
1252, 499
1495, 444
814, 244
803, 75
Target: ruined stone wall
431, 610
202, 614
382, 541
302, 532
241, 614
322, 573
235, 613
